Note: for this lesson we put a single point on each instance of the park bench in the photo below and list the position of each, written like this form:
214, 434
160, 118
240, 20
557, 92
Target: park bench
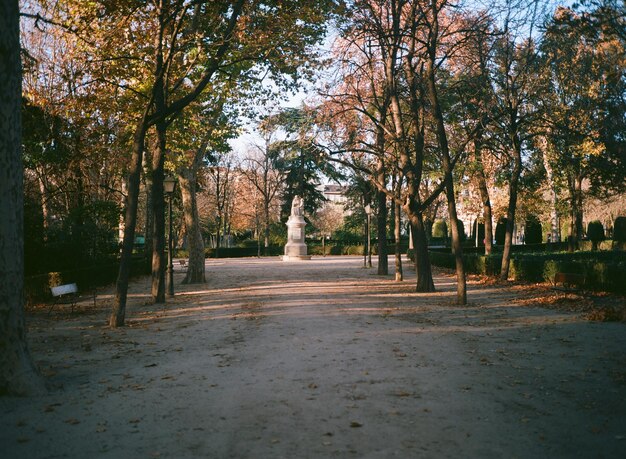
64, 294
569, 282
68, 294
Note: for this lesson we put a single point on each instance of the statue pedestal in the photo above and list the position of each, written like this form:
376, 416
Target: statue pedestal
295, 249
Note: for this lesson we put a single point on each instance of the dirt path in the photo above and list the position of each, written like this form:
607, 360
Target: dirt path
321, 359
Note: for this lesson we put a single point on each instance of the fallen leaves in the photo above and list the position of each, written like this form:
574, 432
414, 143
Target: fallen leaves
404, 394
101, 428
50, 408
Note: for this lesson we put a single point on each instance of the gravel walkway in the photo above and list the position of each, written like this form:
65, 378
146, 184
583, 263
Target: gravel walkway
321, 359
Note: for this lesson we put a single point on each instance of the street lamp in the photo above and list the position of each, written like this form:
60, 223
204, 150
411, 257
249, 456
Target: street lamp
169, 184
368, 212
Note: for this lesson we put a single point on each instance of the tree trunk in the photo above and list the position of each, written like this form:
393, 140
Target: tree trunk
442, 139
484, 195
579, 210
398, 239
195, 243
422, 261
266, 218
118, 313
381, 221
158, 212
158, 166
45, 210
218, 238
121, 224
461, 285
18, 375
547, 164
412, 171
576, 214
510, 213
381, 198
149, 221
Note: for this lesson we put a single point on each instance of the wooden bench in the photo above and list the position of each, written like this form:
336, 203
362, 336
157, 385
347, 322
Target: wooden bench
64, 294
570, 282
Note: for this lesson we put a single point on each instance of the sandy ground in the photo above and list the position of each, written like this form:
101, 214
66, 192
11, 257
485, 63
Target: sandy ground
322, 359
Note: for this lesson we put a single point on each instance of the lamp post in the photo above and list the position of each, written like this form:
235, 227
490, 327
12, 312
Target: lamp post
368, 212
169, 184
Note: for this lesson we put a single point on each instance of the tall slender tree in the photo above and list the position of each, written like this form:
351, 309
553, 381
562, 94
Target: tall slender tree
262, 168
517, 109
18, 374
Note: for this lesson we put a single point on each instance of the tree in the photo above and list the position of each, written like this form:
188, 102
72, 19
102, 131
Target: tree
585, 112
164, 54
327, 220
73, 136
532, 230
439, 32
191, 43
18, 374
262, 169
609, 15
368, 100
619, 229
517, 89
476, 106
197, 138
298, 157
595, 233
394, 60
222, 188
501, 229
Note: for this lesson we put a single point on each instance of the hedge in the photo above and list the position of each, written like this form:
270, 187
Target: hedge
37, 287
585, 246
240, 252
312, 249
602, 270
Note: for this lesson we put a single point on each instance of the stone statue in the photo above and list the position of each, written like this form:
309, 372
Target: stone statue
296, 249
297, 206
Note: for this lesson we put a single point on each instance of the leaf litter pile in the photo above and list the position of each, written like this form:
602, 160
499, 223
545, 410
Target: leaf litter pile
593, 306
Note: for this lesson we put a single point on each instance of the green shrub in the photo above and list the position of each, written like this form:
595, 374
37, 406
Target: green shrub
180, 253
438, 241
317, 249
532, 230
440, 229
336, 250
500, 230
619, 229
442, 259
353, 250
602, 270
239, 252
481, 232
595, 233
586, 246
461, 228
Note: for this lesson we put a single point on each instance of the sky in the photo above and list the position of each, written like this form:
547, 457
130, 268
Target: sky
249, 137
